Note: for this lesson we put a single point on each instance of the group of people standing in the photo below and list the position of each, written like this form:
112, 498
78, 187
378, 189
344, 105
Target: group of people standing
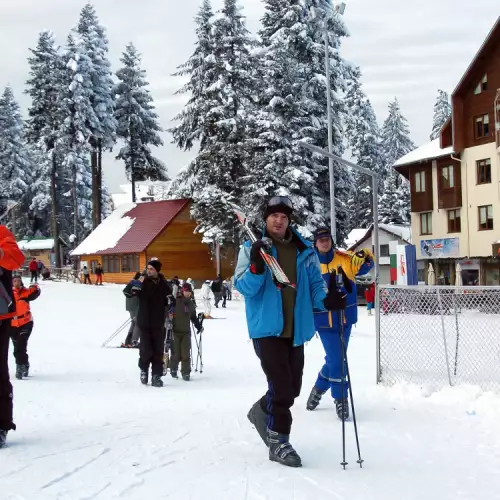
222, 290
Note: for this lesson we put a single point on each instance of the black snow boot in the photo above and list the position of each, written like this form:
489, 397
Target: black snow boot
258, 419
186, 377
156, 381
281, 451
26, 371
144, 377
19, 372
314, 399
342, 409
173, 374
3, 438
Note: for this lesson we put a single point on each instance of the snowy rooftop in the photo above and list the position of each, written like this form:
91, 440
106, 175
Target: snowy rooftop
36, 244
354, 236
403, 232
357, 236
424, 152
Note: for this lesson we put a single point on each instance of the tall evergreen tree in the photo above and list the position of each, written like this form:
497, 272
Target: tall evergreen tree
442, 111
137, 121
103, 136
395, 201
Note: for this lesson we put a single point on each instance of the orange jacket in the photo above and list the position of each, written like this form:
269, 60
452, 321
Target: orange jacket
23, 296
10, 258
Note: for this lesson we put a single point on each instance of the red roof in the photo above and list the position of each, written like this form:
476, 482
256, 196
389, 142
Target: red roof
151, 218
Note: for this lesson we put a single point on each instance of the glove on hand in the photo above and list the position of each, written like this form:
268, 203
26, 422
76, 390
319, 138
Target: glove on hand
359, 258
257, 264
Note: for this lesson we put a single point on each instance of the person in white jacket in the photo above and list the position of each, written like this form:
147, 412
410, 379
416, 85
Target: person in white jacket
206, 291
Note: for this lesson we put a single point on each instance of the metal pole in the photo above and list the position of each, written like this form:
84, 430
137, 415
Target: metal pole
376, 248
333, 217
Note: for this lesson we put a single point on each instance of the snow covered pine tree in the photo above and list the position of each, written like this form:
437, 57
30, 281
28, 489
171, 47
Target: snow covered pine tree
442, 111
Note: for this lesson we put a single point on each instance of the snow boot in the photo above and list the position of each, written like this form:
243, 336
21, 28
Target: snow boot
156, 381
19, 372
281, 451
258, 419
342, 410
144, 377
26, 370
314, 399
3, 438
186, 377
173, 374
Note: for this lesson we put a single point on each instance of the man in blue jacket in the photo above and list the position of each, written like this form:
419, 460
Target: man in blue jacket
280, 321
327, 323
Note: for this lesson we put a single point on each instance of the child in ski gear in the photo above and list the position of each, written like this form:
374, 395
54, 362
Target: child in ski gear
99, 273
205, 295
153, 294
22, 324
132, 307
10, 258
327, 323
33, 267
370, 298
280, 321
86, 275
184, 313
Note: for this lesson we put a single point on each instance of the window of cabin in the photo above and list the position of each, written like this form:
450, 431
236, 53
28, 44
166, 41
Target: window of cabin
448, 177
130, 263
482, 85
485, 218
384, 251
419, 182
482, 126
483, 171
426, 223
454, 221
93, 265
111, 263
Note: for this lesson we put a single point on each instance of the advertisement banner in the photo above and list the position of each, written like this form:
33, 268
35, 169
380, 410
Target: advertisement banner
441, 248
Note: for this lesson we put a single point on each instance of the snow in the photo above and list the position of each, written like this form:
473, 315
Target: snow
146, 189
427, 151
107, 234
354, 236
36, 244
401, 231
88, 429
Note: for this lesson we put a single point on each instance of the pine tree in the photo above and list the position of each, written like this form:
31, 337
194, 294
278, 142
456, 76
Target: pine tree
137, 121
395, 200
442, 111
103, 136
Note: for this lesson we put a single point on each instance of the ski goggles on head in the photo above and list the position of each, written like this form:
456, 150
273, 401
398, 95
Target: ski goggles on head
280, 200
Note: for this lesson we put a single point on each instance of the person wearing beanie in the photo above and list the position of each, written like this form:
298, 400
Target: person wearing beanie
327, 323
154, 295
280, 321
184, 314
11, 258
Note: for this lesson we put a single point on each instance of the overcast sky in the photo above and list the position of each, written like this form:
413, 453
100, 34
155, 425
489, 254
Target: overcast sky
405, 48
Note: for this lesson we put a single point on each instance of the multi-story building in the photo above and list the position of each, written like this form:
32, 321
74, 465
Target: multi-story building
455, 180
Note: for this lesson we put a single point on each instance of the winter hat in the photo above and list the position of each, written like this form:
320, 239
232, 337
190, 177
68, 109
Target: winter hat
187, 287
156, 264
322, 232
278, 204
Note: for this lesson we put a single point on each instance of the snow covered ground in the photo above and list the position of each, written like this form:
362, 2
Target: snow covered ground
87, 429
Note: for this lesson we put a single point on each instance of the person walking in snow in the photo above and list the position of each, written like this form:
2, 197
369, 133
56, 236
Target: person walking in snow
229, 285
99, 273
33, 267
22, 324
86, 275
370, 298
280, 321
217, 290
224, 293
11, 258
184, 313
132, 307
154, 298
206, 291
327, 323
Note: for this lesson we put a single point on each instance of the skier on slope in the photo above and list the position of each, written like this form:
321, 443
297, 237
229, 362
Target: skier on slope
10, 258
280, 321
132, 307
205, 295
327, 323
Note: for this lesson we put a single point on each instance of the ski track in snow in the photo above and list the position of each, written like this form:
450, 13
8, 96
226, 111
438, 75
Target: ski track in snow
87, 429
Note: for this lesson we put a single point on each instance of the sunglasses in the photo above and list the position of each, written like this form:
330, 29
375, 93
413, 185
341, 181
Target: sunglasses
280, 200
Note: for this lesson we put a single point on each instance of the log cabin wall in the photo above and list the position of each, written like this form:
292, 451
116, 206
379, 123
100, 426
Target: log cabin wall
113, 277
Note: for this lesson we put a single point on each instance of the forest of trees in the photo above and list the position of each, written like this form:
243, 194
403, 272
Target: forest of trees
252, 99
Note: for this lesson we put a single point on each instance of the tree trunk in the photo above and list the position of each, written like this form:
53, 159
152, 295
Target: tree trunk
95, 183
75, 204
99, 181
132, 175
55, 223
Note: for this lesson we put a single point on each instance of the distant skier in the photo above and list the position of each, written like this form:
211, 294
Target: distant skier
33, 267
10, 258
184, 314
132, 307
327, 323
99, 273
280, 321
22, 324
206, 291
229, 285
217, 290
224, 293
370, 298
86, 275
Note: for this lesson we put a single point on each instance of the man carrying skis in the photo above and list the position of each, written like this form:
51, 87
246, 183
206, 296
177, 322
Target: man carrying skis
184, 314
331, 376
280, 321
10, 258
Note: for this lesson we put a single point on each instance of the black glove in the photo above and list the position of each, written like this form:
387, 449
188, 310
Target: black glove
200, 330
336, 299
256, 261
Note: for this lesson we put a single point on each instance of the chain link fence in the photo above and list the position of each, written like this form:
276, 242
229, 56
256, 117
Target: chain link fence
440, 335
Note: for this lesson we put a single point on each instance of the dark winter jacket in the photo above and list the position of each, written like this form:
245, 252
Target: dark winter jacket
99, 270
132, 299
153, 300
217, 286
184, 313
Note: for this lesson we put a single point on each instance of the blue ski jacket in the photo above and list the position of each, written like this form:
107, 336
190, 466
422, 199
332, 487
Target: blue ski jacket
264, 308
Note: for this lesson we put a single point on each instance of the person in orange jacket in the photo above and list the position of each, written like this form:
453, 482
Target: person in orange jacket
22, 324
10, 258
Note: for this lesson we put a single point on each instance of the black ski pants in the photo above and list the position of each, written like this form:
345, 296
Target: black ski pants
283, 365
6, 423
181, 352
151, 346
34, 276
20, 337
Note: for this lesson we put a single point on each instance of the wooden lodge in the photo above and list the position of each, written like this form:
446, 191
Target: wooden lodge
135, 233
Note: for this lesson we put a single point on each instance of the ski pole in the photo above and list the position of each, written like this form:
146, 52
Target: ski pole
116, 332
342, 384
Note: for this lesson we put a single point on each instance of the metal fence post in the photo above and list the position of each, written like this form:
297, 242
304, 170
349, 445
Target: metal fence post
376, 247
440, 305
458, 333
